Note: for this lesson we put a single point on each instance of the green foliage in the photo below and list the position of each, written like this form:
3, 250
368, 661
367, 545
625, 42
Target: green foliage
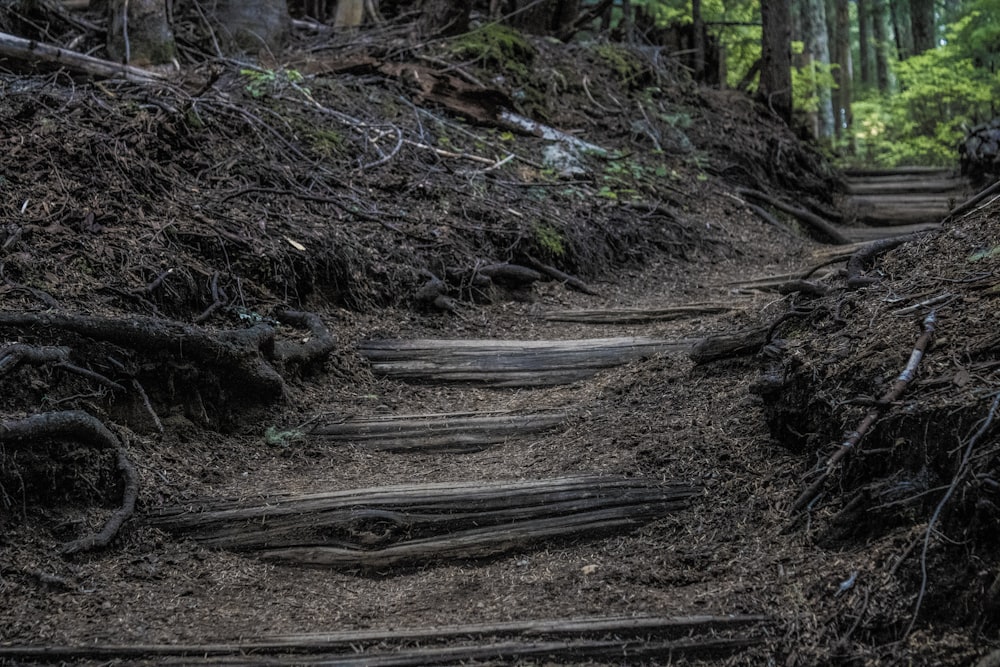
262, 82
495, 46
549, 239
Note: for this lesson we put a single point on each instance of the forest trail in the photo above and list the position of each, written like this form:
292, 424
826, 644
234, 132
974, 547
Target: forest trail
502, 418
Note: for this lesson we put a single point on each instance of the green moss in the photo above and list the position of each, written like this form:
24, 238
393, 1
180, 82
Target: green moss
549, 239
327, 142
626, 65
496, 46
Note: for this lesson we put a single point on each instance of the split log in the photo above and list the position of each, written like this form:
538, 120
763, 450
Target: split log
404, 525
512, 640
28, 50
732, 344
867, 234
897, 172
867, 186
636, 315
509, 363
455, 432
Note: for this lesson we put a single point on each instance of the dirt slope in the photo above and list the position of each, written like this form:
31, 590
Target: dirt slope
194, 211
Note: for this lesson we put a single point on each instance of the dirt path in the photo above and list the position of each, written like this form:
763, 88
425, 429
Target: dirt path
433, 462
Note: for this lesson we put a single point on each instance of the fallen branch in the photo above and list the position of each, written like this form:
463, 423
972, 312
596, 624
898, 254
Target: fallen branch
812, 221
31, 51
887, 399
79, 426
971, 203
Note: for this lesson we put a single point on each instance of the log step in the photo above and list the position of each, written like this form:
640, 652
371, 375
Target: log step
405, 525
636, 315
445, 432
503, 363
627, 638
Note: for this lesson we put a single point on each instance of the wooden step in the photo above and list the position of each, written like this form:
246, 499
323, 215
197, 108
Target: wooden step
440, 432
506, 363
636, 315
385, 527
568, 639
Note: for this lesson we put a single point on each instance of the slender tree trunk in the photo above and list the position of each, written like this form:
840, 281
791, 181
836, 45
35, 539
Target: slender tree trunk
139, 32
349, 13
698, 26
922, 25
865, 55
900, 12
776, 58
844, 73
818, 48
881, 34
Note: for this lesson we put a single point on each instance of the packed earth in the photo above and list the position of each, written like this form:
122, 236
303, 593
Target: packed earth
486, 349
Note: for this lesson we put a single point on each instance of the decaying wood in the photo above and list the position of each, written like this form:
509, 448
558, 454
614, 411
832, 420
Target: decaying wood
867, 234
80, 427
510, 274
636, 315
731, 344
817, 225
509, 363
28, 50
854, 438
454, 432
402, 525
686, 636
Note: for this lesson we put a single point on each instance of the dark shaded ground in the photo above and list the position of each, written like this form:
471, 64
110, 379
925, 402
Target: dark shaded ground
226, 196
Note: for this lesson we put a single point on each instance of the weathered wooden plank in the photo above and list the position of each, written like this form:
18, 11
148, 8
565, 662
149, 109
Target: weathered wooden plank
454, 432
867, 234
636, 315
907, 185
899, 172
375, 644
389, 526
509, 363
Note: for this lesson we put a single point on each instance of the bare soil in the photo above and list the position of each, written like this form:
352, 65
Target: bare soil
217, 200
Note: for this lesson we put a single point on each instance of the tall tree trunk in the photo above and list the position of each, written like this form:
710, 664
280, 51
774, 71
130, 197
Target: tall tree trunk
776, 58
866, 55
844, 74
443, 17
900, 12
250, 25
698, 25
349, 13
818, 48
922, 25
139, 32
881, 33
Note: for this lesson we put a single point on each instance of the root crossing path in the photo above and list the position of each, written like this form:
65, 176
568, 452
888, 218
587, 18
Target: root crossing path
564, 479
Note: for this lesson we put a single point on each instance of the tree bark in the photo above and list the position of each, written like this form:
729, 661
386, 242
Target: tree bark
818, 47
844, 74
139, 33
901, 21
881, 34
699, 40
922, 25
865, 55
776, 58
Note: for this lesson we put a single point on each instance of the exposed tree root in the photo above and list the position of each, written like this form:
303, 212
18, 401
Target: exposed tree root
243, 353
79, 426
866, 254
819, 227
